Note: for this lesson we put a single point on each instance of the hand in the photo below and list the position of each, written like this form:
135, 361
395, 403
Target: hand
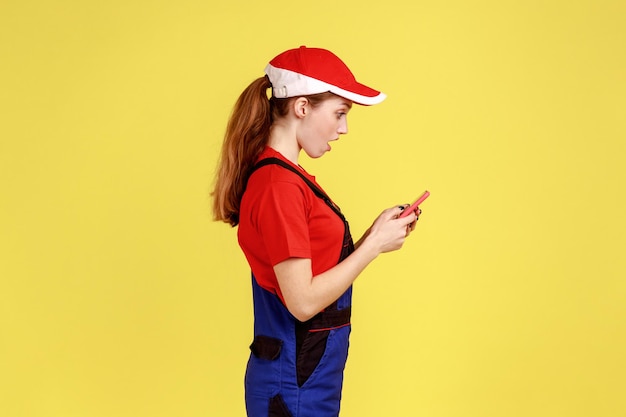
388, 232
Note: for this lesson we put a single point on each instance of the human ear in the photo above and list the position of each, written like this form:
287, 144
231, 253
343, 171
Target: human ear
301, 107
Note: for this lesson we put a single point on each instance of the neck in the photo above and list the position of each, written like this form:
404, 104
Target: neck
283, 139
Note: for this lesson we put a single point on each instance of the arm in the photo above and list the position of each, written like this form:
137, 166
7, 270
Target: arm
306, 295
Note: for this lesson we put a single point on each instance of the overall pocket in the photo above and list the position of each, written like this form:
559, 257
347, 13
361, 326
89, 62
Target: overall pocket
265, 347
264, 366
309, 353
312, 338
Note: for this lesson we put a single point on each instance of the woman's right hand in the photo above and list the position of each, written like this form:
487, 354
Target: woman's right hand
388, 232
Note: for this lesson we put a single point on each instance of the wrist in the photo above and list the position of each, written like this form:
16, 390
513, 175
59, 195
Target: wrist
368, 248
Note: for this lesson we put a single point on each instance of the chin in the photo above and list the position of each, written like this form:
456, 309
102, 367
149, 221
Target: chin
316, 154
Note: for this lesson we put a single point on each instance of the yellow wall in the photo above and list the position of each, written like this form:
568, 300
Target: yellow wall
120, 297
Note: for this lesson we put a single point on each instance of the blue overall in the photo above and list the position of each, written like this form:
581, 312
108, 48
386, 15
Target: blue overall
296, 368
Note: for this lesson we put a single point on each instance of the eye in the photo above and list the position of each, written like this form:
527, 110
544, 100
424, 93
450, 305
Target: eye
341, 114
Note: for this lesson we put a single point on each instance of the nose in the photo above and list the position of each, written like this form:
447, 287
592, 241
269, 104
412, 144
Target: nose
343, 126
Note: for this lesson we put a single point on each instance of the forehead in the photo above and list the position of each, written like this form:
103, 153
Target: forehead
337, 101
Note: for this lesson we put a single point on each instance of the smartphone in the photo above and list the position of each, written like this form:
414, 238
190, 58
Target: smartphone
414, 206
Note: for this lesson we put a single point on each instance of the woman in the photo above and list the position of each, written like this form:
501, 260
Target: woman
294, 237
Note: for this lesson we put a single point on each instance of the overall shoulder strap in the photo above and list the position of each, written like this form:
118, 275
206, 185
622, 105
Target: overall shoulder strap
316, 190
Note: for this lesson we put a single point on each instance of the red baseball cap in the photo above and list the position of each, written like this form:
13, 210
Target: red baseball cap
305, 71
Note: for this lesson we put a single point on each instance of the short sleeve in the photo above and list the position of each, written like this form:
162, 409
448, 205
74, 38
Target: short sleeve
282, 223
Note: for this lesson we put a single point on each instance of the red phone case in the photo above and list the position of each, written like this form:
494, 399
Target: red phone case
415, 205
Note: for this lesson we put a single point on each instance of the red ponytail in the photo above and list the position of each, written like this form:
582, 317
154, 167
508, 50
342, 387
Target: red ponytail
246, 135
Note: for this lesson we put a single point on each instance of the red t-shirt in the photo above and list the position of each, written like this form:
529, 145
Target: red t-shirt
280, 218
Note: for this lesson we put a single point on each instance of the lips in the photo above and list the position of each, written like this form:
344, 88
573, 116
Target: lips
328, 148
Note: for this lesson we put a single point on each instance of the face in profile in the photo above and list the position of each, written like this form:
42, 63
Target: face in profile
323, 124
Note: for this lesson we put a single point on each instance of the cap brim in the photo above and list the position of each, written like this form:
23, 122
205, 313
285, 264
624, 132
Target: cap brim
367, 96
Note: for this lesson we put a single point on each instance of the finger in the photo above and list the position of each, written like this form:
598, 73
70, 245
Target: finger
418, 212
410, 227
397, 210
403, 207
405, 221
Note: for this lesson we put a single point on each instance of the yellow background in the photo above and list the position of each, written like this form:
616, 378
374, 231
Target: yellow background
120, 297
